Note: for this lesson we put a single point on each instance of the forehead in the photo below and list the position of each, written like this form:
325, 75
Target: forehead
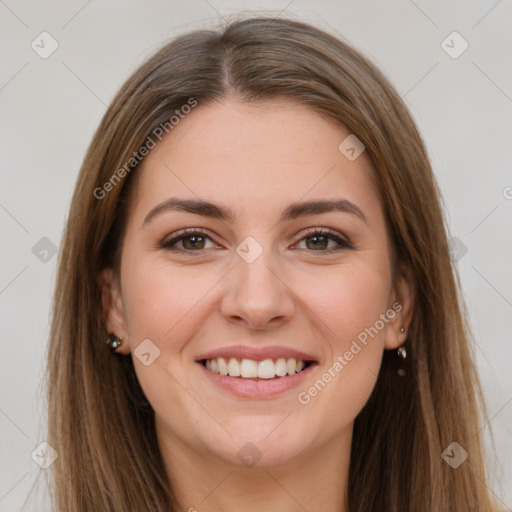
254, 157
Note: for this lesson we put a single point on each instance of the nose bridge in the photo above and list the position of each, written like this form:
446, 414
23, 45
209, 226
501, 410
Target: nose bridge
256, 293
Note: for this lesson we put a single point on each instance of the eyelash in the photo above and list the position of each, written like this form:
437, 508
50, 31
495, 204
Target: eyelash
190, 232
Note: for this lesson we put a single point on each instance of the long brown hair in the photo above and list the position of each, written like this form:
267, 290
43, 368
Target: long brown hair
99, 420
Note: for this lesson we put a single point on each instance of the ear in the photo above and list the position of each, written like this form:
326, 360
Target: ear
401, 300
113, 309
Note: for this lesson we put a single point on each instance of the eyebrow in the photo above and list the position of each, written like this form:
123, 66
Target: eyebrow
293, 211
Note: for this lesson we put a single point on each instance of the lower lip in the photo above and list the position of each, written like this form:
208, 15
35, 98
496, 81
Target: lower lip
247, 388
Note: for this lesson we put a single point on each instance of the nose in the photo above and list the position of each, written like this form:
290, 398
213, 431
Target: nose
256, 295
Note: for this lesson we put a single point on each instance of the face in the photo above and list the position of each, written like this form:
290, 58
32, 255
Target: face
249, 278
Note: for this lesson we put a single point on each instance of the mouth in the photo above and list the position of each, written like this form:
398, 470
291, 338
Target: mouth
256, 370
258, 379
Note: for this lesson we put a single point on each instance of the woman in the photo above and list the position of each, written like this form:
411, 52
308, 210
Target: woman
257, 234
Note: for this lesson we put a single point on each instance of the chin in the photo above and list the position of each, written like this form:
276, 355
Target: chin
264, 447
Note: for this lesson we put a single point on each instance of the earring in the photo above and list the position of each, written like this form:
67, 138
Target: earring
402, 354
114, 341
402, 329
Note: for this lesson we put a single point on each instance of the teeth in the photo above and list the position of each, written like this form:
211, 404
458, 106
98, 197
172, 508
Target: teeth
281, 368
291, 364
266, 369
223, 367
233, 367
250, 369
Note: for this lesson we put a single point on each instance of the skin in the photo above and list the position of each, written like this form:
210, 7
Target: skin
256, 159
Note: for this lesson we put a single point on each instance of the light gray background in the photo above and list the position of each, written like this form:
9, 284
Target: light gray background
50, 108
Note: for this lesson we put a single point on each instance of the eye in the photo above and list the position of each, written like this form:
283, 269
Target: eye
191, 240
318, 239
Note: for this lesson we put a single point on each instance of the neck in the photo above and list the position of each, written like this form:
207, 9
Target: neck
314, 480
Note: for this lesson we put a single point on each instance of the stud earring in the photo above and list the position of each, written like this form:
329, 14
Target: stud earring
402, 329
114, 341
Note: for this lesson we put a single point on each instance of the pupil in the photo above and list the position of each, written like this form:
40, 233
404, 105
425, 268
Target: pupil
194, 240
316, 244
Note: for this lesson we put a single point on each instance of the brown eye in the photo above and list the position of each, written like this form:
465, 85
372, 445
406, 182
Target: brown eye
191, 241
318, 240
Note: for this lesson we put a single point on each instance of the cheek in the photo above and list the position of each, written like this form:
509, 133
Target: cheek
350, 303
160, 299
162, 304
347, 299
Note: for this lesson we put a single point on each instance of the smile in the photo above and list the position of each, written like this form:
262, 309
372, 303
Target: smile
256, 387
252, 369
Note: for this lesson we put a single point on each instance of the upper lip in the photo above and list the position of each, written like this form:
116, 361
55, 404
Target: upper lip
256, 354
